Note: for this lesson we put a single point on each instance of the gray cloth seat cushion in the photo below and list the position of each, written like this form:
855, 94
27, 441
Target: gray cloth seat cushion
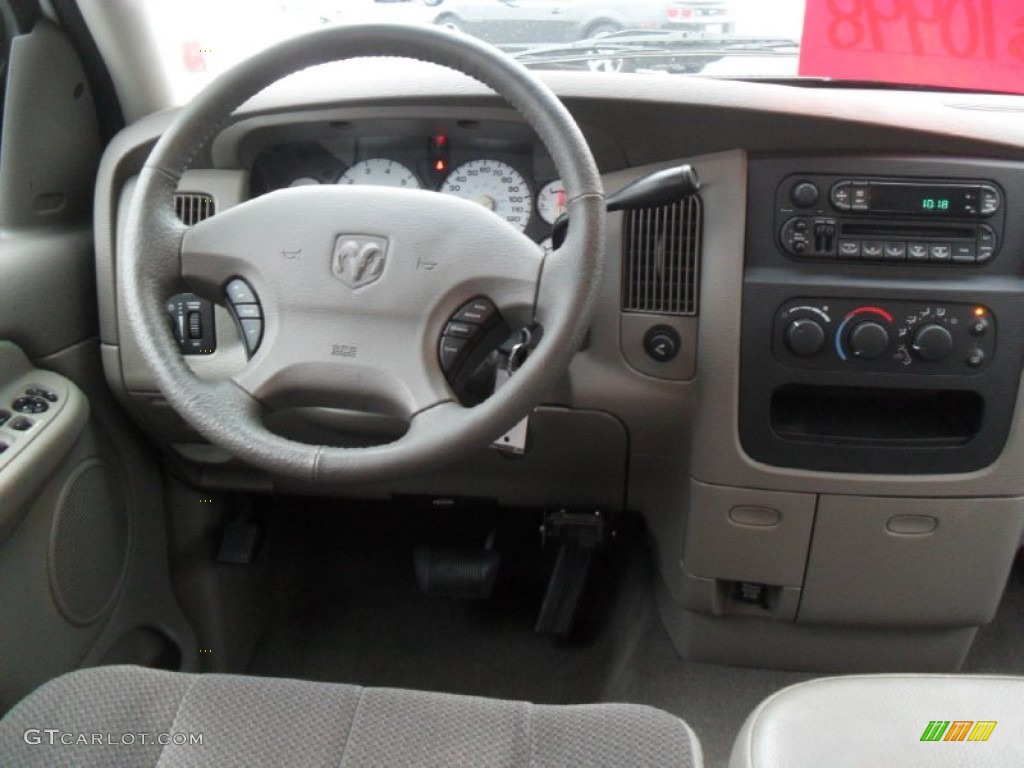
876, 720
247, 721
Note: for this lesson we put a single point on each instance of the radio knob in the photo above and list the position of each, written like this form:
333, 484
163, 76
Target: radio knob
869, 340
805, 337
805, 194
932, 342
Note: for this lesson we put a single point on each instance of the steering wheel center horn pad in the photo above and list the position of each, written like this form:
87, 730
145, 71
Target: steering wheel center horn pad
357, 284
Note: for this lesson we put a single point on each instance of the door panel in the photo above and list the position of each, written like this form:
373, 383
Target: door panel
84, 577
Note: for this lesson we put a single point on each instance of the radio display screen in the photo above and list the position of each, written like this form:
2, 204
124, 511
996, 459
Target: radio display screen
931, 199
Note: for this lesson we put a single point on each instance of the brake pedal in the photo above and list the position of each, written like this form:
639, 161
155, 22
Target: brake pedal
456, 572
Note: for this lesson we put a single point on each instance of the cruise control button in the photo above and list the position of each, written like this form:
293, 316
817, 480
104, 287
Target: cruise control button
239, 292
940, 252
895, 251
4, 416
248, 312
21, 424
849, 249
450, 351
479, 311
44, 393
253, 332
872, 249
457, 330
917, 251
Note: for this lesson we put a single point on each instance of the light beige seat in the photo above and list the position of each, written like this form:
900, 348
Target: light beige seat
252, 721
931, 721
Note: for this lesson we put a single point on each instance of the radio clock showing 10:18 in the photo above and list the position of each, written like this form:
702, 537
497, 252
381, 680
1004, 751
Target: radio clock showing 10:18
935, 204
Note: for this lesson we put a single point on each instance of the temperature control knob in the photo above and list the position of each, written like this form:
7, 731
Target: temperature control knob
932, 342
869, 340
805, 337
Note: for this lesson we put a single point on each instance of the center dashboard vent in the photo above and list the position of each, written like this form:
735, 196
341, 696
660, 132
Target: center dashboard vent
193, 207
661, 258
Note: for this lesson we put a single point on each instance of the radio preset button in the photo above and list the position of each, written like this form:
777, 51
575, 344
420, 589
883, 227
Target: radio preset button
940, 252
895, 251
872, 249
963, 253
849, 249
917, 251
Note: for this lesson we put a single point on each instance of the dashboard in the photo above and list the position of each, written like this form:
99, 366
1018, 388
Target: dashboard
841, 409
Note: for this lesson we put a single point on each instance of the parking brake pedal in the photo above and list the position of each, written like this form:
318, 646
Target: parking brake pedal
456, 572
580, 536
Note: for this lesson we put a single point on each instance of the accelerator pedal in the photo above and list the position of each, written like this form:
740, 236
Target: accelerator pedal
579, 536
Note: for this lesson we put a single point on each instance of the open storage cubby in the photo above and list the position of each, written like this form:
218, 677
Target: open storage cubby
908, 417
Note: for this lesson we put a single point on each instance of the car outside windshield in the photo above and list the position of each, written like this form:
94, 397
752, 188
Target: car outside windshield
927, 43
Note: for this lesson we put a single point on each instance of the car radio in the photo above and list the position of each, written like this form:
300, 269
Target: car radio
889, 220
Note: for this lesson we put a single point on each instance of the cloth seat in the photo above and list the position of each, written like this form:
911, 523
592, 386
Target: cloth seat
119, 715
911, 721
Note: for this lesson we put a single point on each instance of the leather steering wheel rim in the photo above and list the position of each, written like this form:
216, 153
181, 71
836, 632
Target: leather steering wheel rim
229, 416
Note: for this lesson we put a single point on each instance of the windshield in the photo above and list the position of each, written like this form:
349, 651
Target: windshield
967, 44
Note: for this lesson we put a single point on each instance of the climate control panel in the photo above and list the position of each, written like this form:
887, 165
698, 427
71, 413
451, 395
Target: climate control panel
885, 336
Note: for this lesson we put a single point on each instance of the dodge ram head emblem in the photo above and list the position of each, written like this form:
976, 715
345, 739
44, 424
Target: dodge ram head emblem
358, 260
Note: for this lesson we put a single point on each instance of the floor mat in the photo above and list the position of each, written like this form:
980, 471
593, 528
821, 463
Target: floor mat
347, 609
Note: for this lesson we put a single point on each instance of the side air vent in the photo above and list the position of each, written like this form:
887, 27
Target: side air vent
661, 258
194, 207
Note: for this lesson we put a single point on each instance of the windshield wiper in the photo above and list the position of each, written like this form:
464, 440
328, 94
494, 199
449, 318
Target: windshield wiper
657, 49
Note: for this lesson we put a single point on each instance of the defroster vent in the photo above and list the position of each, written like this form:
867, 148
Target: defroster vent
661, 258
194, 207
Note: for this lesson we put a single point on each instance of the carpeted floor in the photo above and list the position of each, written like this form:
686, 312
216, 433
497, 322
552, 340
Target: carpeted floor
347, 609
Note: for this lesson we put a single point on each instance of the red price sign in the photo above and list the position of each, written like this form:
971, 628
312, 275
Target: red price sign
972, 44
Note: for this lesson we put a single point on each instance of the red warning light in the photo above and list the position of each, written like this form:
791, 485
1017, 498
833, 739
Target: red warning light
440, 141
440, 165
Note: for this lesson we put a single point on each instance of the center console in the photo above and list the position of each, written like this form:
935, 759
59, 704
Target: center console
879, 300
855, 497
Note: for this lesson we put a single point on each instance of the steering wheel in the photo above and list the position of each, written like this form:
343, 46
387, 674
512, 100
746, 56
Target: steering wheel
356, 285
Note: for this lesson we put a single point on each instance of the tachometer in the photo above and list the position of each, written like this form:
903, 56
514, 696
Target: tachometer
381, 172
494, 185
551, 201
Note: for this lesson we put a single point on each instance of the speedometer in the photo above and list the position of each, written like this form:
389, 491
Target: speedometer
381, 172
496, 186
